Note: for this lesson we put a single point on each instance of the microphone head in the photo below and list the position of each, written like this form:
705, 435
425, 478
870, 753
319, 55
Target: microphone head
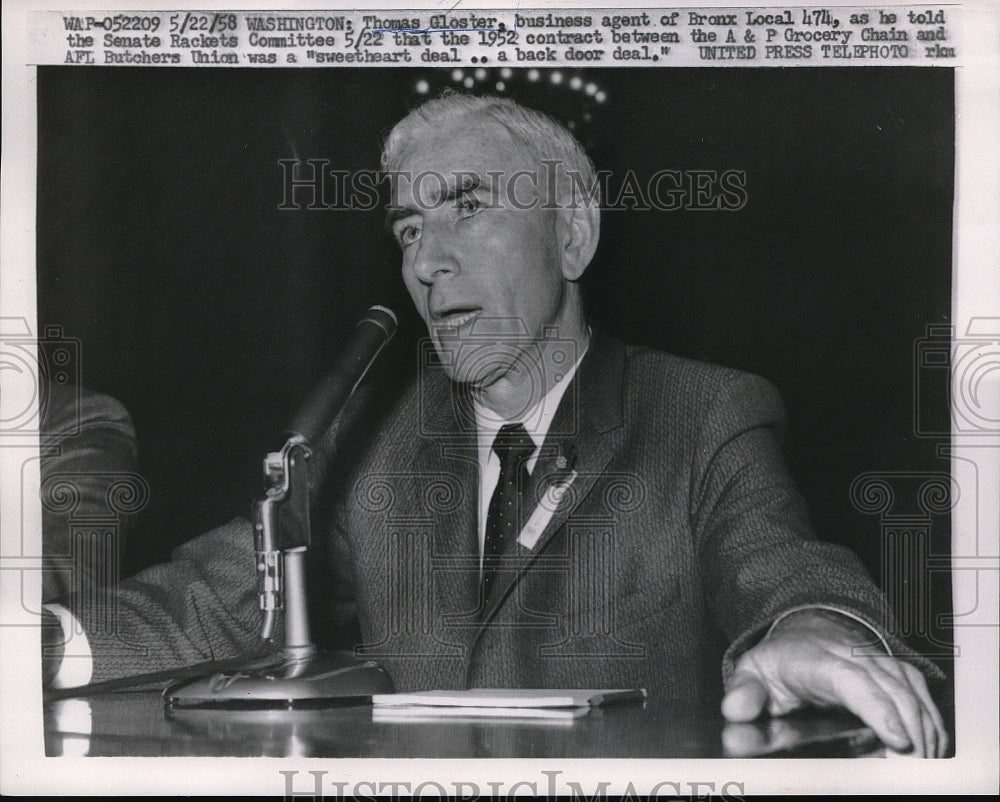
383, 317
373, 331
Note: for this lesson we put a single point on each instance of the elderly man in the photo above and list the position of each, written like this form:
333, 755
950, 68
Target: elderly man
547, 507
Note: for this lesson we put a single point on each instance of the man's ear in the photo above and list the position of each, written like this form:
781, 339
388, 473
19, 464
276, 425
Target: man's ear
579, 232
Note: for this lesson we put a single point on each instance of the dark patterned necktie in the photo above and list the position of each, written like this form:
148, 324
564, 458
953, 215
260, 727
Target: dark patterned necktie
513, 446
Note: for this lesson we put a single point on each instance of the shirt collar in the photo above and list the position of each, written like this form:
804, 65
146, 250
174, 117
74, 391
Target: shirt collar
537, 421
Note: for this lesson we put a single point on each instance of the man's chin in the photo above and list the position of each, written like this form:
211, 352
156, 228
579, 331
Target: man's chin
467, 376
478, 364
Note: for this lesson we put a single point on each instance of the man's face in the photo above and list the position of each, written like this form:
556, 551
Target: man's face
485, 275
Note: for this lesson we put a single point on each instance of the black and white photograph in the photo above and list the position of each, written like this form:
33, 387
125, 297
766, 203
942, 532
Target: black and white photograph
503, 412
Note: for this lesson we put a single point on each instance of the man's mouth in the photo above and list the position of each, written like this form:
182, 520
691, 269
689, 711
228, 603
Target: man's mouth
454, 317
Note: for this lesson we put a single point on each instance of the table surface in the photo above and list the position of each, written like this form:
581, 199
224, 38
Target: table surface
136, 723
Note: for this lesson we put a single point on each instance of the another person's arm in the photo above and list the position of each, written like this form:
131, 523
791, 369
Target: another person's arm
89, 458
202, 605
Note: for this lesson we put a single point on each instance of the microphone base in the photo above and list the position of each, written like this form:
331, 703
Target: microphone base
280, 681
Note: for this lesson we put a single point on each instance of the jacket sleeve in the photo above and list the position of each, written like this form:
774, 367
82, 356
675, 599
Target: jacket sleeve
88, 473
758, 554
201, 605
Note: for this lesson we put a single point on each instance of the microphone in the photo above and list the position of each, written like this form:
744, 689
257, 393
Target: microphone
297, 674
373, 332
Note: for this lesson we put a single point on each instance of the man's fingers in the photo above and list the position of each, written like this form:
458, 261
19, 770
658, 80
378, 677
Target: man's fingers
893, 700
888, 694
910, 709
931, 736
906, 687
745, 698
859, 693
919, 685
933, 723
934, 740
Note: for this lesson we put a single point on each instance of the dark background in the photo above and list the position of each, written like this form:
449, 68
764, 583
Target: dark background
210, 313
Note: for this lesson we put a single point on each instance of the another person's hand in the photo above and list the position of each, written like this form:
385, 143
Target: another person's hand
817, 658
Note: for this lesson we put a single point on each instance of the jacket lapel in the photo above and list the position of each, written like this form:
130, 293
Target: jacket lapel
586, 433
447, 468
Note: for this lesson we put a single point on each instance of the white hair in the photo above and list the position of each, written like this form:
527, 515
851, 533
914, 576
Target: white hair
541, 136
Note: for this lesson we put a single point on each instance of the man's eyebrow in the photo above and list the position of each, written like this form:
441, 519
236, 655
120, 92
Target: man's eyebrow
469, 183
395, 213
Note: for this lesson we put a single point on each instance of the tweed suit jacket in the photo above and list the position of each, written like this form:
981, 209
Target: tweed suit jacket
672, 536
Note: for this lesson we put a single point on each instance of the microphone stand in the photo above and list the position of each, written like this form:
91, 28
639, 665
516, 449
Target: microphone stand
296, 675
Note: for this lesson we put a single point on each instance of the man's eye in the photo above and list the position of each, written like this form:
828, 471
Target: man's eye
407, 235
468, 205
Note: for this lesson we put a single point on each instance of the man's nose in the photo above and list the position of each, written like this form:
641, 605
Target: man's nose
435, 256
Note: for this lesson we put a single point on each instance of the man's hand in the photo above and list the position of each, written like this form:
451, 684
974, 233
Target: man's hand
808, 660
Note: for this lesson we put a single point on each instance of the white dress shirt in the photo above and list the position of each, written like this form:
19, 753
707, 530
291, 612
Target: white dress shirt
536, 422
